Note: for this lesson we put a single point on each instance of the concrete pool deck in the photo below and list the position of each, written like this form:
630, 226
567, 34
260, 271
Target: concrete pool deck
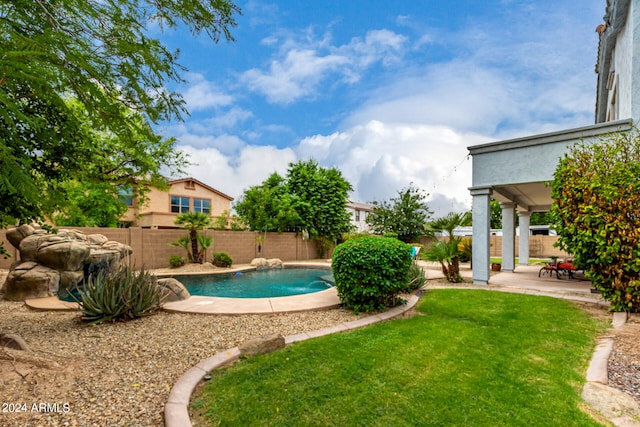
323, 300
524, 280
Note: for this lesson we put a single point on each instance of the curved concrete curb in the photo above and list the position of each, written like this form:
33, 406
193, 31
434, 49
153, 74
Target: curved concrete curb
615, 405
176, 410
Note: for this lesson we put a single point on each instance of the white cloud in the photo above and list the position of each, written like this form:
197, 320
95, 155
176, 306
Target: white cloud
232, 174
202, 94
295, 76
379, 159
302, 65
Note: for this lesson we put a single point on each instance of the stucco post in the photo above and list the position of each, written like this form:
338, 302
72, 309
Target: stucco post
508, 236
523, 246
481, 217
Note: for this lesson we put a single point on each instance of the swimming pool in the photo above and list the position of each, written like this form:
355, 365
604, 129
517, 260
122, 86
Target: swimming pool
259, 284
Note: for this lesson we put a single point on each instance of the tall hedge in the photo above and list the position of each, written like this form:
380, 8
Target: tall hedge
596, 192
370, 272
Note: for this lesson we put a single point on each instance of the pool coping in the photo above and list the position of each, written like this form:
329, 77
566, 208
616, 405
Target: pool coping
322, 300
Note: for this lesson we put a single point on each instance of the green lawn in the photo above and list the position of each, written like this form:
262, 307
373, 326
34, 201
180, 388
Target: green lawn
474, 358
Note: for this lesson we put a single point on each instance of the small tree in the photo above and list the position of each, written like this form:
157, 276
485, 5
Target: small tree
596, 210
446, 225
445, 253
405, 215
194, 221
220, 223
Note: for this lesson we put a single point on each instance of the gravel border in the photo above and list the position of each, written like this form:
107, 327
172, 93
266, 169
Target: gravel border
121, 374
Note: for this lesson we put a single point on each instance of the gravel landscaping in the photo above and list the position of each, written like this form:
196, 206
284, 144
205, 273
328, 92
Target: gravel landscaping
118, 374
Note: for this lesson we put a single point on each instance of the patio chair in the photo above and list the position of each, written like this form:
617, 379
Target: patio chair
549, 268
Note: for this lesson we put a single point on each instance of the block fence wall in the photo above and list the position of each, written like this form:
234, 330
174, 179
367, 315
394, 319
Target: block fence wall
152, 249
539, 246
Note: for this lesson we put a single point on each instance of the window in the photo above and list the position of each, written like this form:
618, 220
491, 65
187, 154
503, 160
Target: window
179, 204
125, 194
357, 215
202, 205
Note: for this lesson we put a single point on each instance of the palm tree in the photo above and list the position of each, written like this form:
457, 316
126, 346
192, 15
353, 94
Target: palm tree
194, 221
445, 253
446, 225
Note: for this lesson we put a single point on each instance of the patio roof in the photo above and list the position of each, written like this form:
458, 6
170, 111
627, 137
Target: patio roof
517, 170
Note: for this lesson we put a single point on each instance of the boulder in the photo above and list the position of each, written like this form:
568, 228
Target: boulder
262, 344
15, 235
62, 257
103, 257
29, 245
69, 280
263, 263
259, 262
97, 239
275, 263
62, 254
172, 290
31, 280
72, 235
121, 248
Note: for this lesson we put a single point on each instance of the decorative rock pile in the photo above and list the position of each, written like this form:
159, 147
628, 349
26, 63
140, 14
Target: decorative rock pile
263, 263
52, 263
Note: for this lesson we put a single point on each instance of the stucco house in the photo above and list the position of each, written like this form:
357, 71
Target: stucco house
359, 213
183, 195
515, 171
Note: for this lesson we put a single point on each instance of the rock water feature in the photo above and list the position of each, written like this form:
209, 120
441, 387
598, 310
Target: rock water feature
50, 264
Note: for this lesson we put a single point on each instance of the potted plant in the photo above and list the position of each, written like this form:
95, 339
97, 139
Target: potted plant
496, 266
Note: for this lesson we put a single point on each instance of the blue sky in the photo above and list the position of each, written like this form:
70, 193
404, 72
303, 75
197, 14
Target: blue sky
389, 92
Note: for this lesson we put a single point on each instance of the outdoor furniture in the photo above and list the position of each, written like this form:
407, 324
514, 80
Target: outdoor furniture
415, 250
566, 267
549, 268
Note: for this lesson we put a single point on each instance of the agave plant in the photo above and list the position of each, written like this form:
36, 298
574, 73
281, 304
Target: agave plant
120, 294
415, 278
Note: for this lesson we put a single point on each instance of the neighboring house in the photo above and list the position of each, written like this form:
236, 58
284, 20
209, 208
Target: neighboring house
515, 171
359, 213
183, 195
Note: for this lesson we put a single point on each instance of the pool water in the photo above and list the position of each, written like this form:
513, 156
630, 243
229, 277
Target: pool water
259, 284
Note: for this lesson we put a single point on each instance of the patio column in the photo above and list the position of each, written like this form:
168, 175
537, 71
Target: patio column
523, 247
508, 236
481, 217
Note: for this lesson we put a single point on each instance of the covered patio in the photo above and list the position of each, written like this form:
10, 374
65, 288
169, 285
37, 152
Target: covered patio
516, 172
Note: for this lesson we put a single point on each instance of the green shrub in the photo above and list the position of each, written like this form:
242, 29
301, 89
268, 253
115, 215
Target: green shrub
370, 272
354, 235
222, 259
596, 193
119, 294
176, 261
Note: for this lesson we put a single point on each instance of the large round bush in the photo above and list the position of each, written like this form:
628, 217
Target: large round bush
370, 272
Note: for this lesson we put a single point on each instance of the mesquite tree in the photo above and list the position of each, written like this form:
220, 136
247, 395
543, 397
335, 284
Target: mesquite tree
82, 83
